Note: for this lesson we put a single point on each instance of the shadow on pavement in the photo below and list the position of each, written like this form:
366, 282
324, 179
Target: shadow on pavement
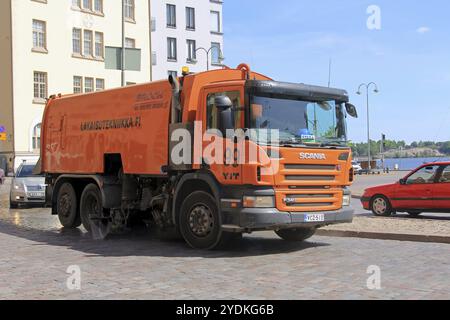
140, 242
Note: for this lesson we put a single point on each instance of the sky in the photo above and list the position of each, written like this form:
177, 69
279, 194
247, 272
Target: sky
408, 56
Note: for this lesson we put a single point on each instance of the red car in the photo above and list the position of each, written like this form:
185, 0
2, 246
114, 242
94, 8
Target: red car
426, 189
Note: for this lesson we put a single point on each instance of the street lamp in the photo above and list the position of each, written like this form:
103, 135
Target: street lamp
208, 51
367, 86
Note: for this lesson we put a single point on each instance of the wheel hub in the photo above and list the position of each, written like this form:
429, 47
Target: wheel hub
201, 221
380, 206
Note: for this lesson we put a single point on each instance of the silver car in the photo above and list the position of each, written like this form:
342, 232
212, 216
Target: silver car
27, 188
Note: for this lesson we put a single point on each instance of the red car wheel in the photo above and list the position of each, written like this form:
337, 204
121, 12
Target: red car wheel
381, 206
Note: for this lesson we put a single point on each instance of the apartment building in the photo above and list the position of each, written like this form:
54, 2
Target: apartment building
186, 33
60, 46
70, 46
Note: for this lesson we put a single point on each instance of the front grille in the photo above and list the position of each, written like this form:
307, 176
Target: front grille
311, 204
310, 196
309, 178
35, 188
309, 167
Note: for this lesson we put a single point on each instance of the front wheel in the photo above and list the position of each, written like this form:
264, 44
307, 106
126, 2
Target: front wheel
296, 235
13, 205
381, 206
200, 223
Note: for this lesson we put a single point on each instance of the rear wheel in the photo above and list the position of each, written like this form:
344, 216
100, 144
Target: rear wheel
296, 235
67, 207
200, 223
91, 209
381, 206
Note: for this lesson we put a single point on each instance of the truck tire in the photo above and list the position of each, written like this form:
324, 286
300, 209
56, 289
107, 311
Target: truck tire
67, 207
296, 235
13, 205
90, 204
200, 222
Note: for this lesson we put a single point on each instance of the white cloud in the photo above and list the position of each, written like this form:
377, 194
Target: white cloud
423, 30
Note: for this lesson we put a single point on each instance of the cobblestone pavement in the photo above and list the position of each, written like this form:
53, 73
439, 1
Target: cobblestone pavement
35, 253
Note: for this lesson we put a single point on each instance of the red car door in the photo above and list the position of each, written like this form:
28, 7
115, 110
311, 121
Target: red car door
417, 190
442, 190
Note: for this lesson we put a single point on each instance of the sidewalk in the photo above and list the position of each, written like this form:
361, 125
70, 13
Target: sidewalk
395, 228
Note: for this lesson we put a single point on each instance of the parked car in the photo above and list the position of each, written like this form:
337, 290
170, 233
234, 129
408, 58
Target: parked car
357, 169
2, 176
425, 189
27, 188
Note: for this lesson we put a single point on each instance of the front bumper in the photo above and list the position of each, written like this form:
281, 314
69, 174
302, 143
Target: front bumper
258, 219
21, 197
254, 219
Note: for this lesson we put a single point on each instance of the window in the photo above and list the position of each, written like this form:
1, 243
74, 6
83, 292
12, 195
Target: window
36, 138
190, 18
88, 85
87, 4
215, 21
99, 51
212, 112
76, 41
171, 16
191, 47
216, 53
129, 9
87, 43
130, 43
423, 176
76, 4
174, 74
77, 84
39, 35
445, 177
40, 85
171, 48
98, 6
99, 84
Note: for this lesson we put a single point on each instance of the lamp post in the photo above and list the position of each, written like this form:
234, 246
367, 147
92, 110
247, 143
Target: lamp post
208, 51
367, 86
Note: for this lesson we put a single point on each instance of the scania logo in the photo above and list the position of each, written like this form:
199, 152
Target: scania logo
313, 156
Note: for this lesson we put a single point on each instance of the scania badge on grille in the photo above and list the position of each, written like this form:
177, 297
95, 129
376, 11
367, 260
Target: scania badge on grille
312, 156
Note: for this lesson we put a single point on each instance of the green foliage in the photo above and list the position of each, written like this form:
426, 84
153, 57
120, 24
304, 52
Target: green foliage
360, 149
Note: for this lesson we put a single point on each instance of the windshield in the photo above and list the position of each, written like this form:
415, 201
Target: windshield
26, 171
299, 121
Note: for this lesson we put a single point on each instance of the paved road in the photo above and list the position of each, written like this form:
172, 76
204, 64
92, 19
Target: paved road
35, 253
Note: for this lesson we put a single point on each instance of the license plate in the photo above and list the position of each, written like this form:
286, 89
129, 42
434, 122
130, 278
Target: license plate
36, 194
314, 218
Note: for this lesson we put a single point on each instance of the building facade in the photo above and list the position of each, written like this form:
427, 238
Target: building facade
61, 46
179, 29
58, 46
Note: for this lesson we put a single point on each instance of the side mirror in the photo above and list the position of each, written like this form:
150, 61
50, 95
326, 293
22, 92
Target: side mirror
402, 182
226, 114
351, 110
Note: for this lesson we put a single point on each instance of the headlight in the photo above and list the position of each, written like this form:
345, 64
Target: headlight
346, 200
18, 186
259, 202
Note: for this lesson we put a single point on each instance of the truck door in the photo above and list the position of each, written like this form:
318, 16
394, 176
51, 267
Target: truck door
228, 171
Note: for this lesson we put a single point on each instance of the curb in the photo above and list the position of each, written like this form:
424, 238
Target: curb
383, 236
354, 196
